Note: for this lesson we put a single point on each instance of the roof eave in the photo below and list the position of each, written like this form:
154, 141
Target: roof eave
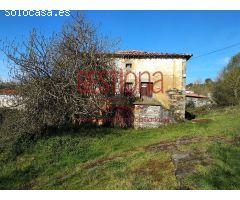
170, 56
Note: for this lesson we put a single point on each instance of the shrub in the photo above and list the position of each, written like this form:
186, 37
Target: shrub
14, 139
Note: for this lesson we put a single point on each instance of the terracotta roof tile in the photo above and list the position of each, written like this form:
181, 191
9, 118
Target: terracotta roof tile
7, 92
196, 95
144, 54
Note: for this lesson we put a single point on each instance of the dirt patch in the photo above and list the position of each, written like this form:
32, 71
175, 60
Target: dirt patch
173, 145
152, 167
189, 140
219, 139
162, 146
169, 145
103, 161
185, 162
237, 138
201, 120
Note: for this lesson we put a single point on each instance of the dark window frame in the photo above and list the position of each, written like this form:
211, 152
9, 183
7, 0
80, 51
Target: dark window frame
128, 65
128, 88
148, 92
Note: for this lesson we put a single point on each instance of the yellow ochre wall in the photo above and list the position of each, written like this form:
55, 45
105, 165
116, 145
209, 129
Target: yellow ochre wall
173, 70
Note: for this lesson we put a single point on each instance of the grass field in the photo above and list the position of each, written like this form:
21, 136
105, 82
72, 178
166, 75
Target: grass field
204, 154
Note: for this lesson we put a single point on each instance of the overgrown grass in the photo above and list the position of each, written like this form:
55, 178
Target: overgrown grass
223, 174
102, 158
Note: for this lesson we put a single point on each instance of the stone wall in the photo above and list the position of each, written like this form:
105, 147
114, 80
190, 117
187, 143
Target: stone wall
8, 101
172, 97
198, 102
151, 116
177, 103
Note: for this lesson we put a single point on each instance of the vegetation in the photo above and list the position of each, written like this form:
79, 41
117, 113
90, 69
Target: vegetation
47, 70
224, 172
199, 87
105, 158
13, 139
7, 85
227, 88
43, 146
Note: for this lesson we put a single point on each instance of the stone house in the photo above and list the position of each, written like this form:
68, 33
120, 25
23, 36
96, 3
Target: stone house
159, 83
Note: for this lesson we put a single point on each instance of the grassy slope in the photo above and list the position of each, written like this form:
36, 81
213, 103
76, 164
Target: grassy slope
116, 159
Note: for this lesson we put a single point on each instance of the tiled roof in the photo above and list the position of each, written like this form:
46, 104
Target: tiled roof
144, 54
7, 92
196, 95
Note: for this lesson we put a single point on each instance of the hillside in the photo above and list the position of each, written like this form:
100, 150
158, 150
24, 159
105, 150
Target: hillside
200, 154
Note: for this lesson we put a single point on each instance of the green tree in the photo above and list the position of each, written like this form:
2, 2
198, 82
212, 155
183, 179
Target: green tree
227, 88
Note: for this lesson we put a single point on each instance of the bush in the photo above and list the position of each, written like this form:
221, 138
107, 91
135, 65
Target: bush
14, 139
196, 111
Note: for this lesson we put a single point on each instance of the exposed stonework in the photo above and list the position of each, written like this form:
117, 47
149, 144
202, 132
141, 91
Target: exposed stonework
166, 75
198, 101
177, 103
151, 116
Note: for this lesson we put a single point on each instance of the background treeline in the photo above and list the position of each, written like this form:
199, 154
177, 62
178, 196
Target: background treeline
7, 85
225, 90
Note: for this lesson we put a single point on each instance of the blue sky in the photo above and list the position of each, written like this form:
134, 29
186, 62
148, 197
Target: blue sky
196, 32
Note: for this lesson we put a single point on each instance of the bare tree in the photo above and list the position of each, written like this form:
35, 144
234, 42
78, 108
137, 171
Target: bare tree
47, 72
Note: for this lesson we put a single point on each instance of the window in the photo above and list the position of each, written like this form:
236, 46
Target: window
146, 89
128, 89
128, 66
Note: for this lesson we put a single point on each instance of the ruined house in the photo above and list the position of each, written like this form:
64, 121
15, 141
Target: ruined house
197, 100
159, 82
